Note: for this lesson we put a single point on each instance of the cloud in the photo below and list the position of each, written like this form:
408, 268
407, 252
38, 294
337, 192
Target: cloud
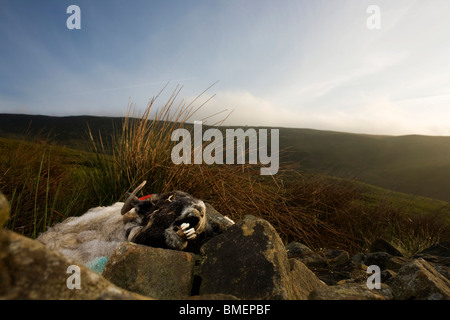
371, 65
375, 115
246, 109
383, 116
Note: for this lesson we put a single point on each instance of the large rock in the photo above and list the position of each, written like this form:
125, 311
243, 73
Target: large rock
419, 280
155, 272
384, 260
303, 280
324, 258
249, 261
438, 255
381, 245
439, 249
4, 210
330, 266
296, 250
29, 270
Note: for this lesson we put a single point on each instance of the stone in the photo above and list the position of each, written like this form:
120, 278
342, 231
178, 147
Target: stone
155, 272
435, 260
297, 249
245, 261
331, 275
352, 291
336, 257
384, 260
358, 260
249, 261
325, 258
440, 263
438, 249
419, 280
330, 266
395, 263
381, 245
4, 210
29, 270
444, 270
303, 280
438, 255
377, 258
387, 275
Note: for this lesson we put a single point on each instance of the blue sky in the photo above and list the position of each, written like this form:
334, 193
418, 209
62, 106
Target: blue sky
304, 63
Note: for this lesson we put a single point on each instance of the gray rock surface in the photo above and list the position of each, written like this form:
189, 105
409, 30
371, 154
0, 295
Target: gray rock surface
155, 272
419, 280
250, 261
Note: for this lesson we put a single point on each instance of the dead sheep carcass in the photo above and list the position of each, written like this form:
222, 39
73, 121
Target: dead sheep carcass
173, 220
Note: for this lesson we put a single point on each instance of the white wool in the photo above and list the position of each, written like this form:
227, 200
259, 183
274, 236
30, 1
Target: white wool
96, 233
90, 250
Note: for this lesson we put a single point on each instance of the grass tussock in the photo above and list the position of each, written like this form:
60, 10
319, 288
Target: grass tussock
139, 150
319, 211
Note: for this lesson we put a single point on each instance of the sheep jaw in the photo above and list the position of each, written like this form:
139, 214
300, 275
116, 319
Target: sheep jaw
185, 232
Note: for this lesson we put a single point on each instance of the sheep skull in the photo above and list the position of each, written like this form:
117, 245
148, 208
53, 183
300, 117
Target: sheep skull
166, 220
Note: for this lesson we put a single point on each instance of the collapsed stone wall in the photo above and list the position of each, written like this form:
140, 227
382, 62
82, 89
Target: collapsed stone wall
246, 261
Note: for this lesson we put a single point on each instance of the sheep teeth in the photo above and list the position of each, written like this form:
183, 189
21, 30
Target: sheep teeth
190, 234
185, 232
184, 226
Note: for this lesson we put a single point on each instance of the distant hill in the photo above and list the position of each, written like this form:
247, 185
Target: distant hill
418, 165
70, 131
411, 164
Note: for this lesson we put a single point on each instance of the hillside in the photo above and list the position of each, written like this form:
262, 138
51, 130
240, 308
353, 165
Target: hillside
418, 165
68, 131
414, 164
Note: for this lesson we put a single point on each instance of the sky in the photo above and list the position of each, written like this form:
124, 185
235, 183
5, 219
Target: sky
286, 63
